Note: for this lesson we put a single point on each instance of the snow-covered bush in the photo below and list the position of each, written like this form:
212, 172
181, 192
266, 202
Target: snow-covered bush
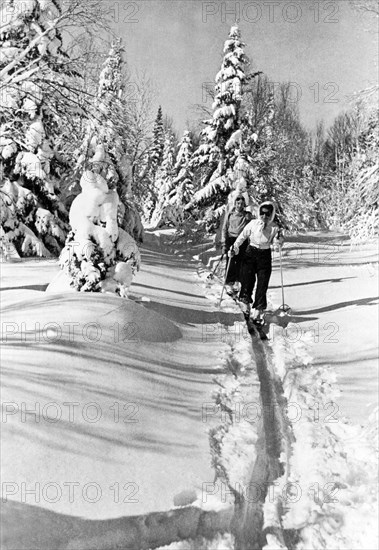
98, 256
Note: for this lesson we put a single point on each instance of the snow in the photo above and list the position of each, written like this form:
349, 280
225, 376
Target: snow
331, 503
169, 360
234, 140
333, 465
8, 53
36, 132
9, 149
95, 231
153, 362
31, 244
332, 289
332, 386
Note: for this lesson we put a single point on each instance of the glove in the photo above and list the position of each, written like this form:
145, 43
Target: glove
232, 252
224, 249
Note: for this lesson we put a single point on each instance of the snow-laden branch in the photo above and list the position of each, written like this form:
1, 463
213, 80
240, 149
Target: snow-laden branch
37, 40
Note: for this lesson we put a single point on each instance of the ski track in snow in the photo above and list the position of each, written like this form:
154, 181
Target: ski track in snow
325, 497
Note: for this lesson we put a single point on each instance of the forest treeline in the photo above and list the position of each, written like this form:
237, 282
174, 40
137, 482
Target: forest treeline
69, 106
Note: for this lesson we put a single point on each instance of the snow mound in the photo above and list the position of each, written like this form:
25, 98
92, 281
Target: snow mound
106, 320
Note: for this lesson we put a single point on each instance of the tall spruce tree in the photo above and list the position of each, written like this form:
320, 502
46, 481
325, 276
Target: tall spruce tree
176, 183
153, 160
182, 188
164, 178
103, 144
156, 154
104, 147
213, 154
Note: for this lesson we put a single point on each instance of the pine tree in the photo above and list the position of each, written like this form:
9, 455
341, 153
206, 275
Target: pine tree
151, 162
103, 144
213, 154
32, 68
164, 179
182, 188
104, 147
100, 256
258, 140
156, 154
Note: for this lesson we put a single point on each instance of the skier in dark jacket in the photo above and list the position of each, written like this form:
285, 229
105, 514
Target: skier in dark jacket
260, 234
235, 221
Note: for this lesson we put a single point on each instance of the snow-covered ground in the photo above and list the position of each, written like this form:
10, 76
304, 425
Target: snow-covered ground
120, 387
322, 362
332, 289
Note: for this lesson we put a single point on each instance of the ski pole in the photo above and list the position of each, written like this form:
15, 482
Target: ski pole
226, 274
283, 307
281, 273
211, 275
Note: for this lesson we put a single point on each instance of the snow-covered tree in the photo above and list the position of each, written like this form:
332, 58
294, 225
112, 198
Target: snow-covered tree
103, 143
348, 189
138, 124
216, 153
99, 256
41, 92
183, 158
164, 180
104, 146
150, 162
273, 161
183, 187
176, 182
157, 148
31, 59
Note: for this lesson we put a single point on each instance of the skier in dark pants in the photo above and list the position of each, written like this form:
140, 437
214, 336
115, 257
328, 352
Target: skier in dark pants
235, 221
261, 233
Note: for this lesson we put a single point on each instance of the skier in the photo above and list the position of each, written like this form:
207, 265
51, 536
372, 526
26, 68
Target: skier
256, 263
235, 221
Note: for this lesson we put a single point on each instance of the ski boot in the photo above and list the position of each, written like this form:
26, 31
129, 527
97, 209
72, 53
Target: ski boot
257, 316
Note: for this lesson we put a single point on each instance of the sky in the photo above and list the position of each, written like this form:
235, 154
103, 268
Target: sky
325, 49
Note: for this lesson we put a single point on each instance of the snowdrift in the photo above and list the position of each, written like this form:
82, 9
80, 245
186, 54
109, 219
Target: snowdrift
106, 399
